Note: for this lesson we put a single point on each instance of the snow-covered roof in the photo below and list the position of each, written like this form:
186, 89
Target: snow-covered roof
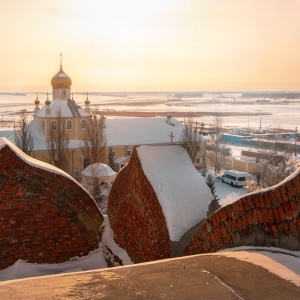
121, 159
182, 192
122, 132
141, 131
68, 108
7, 132
98, 170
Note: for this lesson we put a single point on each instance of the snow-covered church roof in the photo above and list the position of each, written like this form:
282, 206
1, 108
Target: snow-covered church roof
182, 192
141, 131
119, 132
68, 108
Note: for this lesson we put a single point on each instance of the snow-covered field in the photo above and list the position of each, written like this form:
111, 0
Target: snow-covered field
271, 113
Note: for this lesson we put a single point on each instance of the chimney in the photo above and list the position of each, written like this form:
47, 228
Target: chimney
169, 119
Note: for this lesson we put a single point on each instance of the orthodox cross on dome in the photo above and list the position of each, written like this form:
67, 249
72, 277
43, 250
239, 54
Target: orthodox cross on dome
171, 136
61, 60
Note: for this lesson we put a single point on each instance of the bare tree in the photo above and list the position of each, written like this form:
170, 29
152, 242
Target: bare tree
215, 154
58, 143
191, 139
111, 159
94, 142
23, 137
93, 149
272, 167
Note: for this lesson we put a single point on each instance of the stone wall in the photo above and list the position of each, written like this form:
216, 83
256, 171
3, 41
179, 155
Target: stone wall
266, 218
44, 217
136, 216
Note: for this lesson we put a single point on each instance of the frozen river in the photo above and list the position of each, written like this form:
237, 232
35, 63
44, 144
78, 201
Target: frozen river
270, 113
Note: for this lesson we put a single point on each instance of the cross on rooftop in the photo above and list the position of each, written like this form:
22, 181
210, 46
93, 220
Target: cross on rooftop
171, 136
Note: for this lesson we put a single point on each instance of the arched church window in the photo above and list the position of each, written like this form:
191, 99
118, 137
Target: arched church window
64, 93
54, 125
69, 125
83, 124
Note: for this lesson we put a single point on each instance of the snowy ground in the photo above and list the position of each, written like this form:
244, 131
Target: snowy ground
225, 192
228, 194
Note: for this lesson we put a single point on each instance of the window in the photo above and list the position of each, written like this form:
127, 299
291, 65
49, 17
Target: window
69, 125
43, 125
231, 177
63, 93
128, 153
54, 125
83, 124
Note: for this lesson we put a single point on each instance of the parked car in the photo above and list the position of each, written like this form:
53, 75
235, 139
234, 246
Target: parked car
234, 178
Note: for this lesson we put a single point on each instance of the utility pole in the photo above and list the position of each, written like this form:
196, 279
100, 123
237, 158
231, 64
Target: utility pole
296, 142
260, 125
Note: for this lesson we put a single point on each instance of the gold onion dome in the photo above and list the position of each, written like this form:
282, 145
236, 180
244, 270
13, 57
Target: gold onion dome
61, 80
87, 101
47, 102
37, 101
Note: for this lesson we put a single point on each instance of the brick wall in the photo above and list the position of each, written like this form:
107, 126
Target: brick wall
266, 218
44, 217
136, 216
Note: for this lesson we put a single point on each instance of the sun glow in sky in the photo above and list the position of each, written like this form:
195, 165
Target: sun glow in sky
158, 45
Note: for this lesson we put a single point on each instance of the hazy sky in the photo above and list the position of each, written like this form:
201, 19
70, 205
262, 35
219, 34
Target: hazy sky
153, 45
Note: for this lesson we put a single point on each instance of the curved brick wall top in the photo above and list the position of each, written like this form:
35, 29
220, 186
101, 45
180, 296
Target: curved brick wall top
45, 217
136, 216
266, 218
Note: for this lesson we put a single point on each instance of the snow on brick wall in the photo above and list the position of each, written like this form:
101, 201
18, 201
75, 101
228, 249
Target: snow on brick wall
136, 216
270, 217
45, 217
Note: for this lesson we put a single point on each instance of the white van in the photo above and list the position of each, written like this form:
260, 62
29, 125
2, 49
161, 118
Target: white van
234, 178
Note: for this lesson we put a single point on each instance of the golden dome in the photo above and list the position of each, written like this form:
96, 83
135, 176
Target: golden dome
61, 80
37, 101
47, 102
87, 101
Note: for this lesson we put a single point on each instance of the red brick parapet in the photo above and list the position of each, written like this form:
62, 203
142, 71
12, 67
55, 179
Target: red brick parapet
45, 217
266, 218
136, 216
